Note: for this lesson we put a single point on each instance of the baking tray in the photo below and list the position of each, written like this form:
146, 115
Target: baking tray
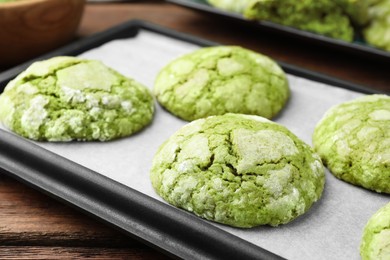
358, 47
123, 204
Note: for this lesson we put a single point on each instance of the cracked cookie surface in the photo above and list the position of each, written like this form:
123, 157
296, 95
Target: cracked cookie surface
375, 244
353, 140
68, 98
219, 80
239, 170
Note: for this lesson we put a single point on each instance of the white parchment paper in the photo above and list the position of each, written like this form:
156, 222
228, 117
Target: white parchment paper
330, 230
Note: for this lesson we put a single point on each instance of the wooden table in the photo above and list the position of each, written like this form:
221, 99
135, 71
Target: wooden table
34, 226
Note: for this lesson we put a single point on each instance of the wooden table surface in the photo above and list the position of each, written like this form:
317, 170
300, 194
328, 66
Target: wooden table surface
34, 226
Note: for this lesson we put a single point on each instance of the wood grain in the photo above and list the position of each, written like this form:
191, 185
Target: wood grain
31, 252
34, 225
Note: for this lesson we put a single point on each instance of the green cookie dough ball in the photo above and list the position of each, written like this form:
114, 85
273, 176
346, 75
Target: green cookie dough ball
237, 6
375, 244
377, 32
353, 140
319, 16
239, 170
218, 80
67, 98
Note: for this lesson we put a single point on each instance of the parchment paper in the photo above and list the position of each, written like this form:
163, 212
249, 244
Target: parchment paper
330, 230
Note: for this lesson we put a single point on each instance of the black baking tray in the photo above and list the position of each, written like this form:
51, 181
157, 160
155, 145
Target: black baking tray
358, 47
171, 230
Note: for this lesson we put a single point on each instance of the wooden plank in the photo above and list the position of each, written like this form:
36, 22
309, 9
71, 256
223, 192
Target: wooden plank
9, 252
28, 217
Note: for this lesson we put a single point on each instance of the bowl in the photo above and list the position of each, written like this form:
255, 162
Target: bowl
29, 28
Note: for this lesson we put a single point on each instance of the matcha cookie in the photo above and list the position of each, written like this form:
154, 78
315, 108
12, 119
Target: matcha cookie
67, 98
320, 16
377, 32
353, 140
237, 6
357, 10
375, 243
219, 80
239, 170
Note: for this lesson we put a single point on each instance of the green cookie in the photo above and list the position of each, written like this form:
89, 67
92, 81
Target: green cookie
377, 32
239, 170
237, 6
357, 10
353, 140
67, 98
219, 80
319, 16
375, 244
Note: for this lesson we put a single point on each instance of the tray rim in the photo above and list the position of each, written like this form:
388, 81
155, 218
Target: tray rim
354, 48
85, 194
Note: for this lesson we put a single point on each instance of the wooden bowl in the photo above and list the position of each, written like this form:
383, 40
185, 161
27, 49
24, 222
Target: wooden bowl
32, 27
